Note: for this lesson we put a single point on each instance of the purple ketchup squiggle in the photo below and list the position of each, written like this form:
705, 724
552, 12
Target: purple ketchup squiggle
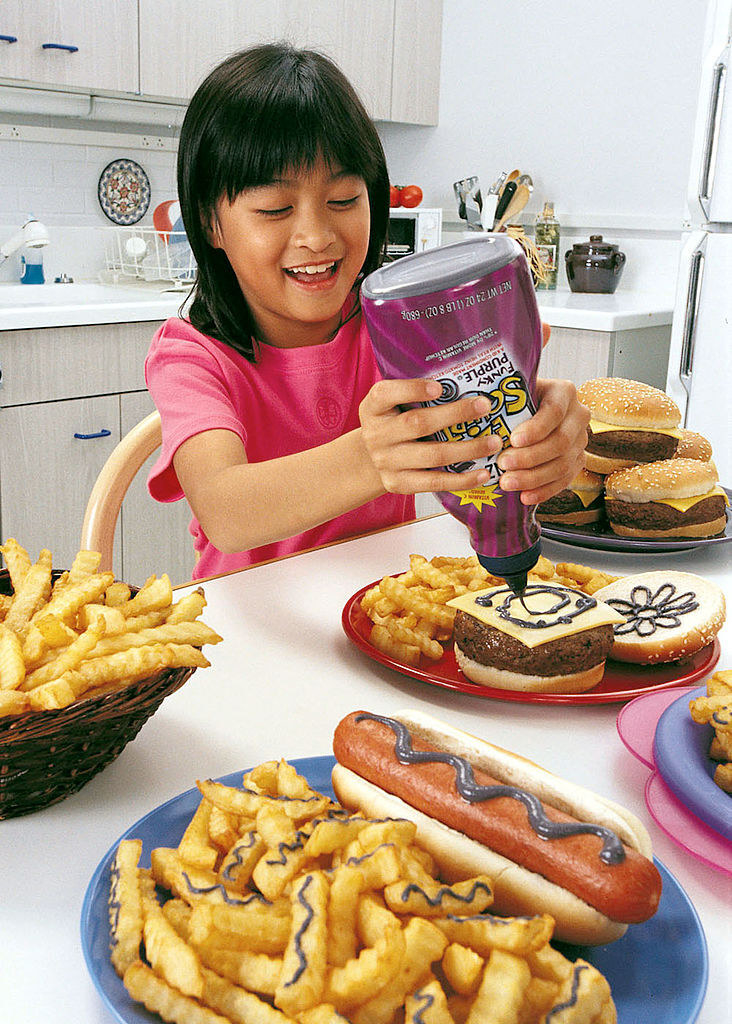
612, 851
465, 315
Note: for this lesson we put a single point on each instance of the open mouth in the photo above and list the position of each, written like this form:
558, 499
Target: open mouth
313, 273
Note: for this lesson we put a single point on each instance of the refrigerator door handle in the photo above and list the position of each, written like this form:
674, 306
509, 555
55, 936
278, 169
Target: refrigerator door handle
714, 112
686, 361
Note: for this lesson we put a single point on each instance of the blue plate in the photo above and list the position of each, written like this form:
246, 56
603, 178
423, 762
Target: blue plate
657, 971
681, 753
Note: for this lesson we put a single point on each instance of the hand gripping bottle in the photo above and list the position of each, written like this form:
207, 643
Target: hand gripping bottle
466, 316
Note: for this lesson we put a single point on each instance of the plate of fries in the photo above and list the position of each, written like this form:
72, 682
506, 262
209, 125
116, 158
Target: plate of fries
175, 919
84, 661
683, 741
403, 622
693, 812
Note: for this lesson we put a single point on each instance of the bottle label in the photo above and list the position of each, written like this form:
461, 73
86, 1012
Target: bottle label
548, 255
483, 338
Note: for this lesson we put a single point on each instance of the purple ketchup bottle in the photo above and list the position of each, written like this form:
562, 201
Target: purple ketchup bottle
466, 316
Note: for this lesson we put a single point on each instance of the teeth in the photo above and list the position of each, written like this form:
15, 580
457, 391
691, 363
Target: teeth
310, 269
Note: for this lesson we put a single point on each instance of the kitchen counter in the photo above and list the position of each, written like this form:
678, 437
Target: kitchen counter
278, 684
622, 311
69, 305
80, 303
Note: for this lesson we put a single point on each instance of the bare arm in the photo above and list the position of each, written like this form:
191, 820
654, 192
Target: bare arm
242, 505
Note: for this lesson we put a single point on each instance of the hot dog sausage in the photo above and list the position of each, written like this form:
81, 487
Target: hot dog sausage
583, 858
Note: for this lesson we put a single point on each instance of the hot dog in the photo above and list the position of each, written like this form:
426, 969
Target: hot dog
550, 846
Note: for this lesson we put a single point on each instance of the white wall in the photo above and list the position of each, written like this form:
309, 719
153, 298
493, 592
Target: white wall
595, 102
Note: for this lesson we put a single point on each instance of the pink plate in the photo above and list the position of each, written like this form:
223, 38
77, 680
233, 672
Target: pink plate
621, 682
637, 721
636, 724
686, 830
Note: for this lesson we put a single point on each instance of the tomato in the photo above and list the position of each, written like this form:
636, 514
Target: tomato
393, 195
410, 195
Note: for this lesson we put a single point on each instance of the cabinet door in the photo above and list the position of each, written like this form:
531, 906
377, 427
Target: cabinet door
576, 355
203, 36
47, 471
358, 37
154, 536
417, 52
104, 37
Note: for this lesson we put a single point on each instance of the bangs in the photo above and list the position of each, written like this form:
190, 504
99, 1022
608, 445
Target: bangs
290, 122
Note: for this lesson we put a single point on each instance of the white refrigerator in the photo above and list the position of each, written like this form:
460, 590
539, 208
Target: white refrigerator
700, 357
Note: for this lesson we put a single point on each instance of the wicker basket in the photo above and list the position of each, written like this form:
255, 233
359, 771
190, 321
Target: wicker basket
46, 755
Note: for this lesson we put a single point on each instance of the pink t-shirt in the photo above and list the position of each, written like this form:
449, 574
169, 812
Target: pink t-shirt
289, 401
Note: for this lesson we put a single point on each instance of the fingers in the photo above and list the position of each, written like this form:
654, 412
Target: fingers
548, 450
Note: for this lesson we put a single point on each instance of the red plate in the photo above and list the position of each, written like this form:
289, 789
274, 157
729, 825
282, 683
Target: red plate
621, 681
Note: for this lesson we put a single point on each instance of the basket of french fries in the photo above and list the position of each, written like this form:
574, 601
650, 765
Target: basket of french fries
85, 660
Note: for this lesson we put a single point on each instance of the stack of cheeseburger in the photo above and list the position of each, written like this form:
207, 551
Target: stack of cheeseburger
650, 477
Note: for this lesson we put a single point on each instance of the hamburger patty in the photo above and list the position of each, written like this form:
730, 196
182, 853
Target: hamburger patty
573, 653
635, 445
565, 502
653, 515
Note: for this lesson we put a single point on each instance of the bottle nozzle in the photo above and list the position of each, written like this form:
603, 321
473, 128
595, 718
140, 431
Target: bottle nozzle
517, 583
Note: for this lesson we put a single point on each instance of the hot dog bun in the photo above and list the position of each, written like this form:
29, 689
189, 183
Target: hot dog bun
518, 889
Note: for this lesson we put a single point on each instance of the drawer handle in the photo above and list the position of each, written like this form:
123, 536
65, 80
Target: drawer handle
59, 46
90, 437
9, 39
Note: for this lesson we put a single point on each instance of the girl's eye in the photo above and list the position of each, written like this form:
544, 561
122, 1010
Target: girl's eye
344, 202
276, 212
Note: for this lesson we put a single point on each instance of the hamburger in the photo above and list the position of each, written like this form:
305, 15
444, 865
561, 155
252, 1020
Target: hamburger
630, 423
693, 446
668, 615
582, 502
553, 639
671, 498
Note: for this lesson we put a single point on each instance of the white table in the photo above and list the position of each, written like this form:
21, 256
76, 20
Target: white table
281, 680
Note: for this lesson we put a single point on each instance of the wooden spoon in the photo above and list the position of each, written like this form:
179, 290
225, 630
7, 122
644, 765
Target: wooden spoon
518, 201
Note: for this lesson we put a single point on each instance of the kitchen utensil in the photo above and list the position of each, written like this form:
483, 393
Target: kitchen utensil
497, 184
512, 176
505, 198
525, 179
469, 200
513, 208
488, 212
594, 266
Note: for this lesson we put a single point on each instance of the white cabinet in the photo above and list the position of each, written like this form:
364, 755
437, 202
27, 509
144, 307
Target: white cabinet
389, 49
67, 43
580, 355
68, 396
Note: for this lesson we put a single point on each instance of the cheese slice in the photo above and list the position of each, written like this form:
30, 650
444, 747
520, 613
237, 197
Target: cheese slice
586, 497
598, 427
541, 603
684, 504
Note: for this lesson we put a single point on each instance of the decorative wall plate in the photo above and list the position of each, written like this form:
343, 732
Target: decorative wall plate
124, 192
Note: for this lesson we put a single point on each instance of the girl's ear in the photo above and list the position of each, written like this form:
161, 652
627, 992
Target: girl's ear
212, 229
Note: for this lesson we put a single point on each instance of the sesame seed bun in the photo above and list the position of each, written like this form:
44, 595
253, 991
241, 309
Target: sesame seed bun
671, 478
693, 446
669, 615
628, 403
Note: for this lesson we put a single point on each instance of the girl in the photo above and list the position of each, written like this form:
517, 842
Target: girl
276, 425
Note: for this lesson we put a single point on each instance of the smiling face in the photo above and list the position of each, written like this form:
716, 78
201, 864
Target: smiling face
296, 246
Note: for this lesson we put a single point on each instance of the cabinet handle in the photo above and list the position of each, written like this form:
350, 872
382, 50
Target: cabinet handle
89, 437
59, 46
9, 39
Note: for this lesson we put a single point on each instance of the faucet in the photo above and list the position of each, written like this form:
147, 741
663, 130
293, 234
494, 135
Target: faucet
32, 233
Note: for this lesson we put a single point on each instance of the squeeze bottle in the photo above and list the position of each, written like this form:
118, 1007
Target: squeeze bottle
465, 315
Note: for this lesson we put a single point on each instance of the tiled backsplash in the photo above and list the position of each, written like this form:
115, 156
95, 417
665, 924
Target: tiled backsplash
57, 183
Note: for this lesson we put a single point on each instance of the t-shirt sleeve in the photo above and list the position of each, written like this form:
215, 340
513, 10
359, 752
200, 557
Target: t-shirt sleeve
190, 387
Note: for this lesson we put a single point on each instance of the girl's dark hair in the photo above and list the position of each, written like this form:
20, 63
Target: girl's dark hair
263, 111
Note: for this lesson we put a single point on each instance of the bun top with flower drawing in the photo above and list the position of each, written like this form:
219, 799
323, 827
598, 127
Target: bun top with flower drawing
668, 615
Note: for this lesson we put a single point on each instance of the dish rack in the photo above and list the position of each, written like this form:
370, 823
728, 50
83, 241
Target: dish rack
149, 254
